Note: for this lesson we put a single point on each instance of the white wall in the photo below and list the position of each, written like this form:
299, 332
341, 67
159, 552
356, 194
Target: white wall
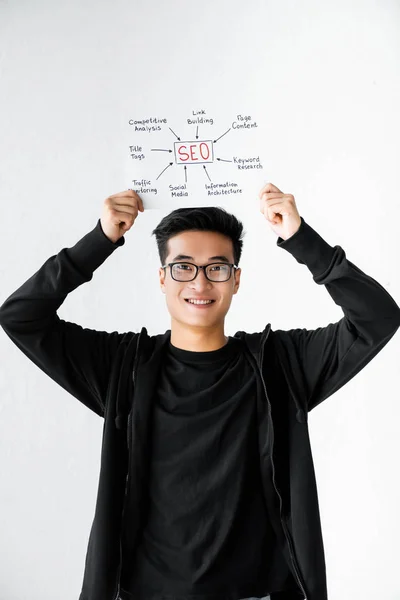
323, 80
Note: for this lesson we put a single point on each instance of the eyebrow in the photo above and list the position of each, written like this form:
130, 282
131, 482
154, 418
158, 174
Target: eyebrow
185, 256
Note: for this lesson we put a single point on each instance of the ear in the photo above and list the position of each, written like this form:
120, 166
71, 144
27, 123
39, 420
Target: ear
238, 272
161, 275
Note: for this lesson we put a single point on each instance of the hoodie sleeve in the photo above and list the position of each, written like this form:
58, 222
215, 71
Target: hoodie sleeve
328, 357
78, 359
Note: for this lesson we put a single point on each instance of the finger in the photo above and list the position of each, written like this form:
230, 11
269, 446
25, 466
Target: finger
270, 187
271, 195
129, 192
272, 201
131, 199
272, 215
125, 208
123, 216
139, 199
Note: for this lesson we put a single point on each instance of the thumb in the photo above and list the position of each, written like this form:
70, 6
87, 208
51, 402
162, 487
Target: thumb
269, 187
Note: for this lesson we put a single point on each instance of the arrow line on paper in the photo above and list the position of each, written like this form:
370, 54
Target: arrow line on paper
205, 168
167, 167
222, 135
174, 133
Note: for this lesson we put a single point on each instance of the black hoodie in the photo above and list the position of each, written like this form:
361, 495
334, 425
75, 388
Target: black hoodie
115, 375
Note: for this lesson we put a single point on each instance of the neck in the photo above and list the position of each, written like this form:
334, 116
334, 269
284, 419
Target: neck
197, 339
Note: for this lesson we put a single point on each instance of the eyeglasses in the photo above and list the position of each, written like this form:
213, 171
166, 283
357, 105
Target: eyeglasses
184, 271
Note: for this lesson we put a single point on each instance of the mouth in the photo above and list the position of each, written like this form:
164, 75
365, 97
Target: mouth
200, 305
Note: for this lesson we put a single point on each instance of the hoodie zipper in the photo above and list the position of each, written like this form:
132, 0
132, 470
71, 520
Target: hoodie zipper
285, 529
128, 431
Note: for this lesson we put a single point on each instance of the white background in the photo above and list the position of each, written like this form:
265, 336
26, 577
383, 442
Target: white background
324, 80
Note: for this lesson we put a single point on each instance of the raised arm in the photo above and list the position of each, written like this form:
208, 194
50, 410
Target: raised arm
78, 359
328, 357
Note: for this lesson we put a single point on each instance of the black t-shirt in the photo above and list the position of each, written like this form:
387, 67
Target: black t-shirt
207, 534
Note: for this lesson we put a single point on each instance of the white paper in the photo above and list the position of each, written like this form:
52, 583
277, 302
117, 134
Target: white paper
198, 158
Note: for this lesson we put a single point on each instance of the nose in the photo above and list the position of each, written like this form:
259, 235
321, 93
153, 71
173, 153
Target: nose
200, 281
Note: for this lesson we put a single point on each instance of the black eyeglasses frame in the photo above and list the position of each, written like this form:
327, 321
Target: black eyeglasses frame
180, 262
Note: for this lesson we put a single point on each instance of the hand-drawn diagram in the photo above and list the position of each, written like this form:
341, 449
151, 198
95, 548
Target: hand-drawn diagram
192, 152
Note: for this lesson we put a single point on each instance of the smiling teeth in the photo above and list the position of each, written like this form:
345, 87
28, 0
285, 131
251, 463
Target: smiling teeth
200, 301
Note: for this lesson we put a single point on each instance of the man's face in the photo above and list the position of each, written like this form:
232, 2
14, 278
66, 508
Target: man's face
199, 247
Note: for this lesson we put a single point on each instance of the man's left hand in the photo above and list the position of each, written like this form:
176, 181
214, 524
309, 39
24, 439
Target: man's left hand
280, 210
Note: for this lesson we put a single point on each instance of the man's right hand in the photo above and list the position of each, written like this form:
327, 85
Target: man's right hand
119, 213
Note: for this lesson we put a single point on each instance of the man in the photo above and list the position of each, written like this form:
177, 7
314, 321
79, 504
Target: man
207, 488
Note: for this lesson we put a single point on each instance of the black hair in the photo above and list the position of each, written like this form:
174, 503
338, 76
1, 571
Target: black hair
207, 218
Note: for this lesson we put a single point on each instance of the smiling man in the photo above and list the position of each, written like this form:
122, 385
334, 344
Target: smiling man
207, 488
197, 279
